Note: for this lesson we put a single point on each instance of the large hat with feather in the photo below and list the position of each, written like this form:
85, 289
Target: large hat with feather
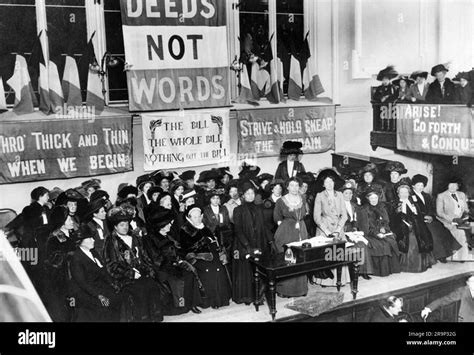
395, 166
389, 72
120, 214
328, 173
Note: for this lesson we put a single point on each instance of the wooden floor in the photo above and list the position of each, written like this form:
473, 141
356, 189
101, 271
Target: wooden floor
367, 289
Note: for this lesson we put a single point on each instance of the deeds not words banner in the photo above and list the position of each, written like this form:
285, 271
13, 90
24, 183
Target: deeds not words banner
435, 129
263, 131
178, 53
57, 149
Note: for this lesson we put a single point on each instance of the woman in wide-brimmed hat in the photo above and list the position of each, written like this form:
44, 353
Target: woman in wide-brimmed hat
368, 175
59, 244
162, 248
386, 92
444, 244
417, 92
290, 164
375, 223
91, 285
413, 236
403, 83
132, 270
442, 90
453, 211
72, 199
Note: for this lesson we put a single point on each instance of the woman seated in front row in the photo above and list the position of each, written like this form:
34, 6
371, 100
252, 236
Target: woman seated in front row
200, 248
131, 269
91, 285
383, 248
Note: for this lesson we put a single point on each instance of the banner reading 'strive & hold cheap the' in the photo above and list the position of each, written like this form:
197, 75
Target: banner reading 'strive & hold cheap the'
183, 140
177, 54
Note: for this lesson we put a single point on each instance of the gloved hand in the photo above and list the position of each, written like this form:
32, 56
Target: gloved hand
458, 221
223, 258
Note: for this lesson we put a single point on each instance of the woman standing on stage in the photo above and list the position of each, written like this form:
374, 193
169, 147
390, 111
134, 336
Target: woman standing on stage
289, 214
250, 235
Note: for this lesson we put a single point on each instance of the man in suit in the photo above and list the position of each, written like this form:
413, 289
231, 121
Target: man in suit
290, 166
388, 311
417, 92
465, 294
442, 90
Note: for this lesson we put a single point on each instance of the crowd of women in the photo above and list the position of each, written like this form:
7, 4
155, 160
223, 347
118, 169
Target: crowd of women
416, 89
171, 244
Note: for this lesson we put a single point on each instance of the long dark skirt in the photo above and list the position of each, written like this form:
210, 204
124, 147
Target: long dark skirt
216, 285
184, 290
142, 301
243, 287
384, 255
413, 260
444, 244
97, 314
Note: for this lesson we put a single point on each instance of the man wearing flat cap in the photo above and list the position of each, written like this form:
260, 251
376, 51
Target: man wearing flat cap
442, 90
290, 165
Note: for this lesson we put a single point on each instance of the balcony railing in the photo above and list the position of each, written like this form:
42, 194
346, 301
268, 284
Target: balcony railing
384, 126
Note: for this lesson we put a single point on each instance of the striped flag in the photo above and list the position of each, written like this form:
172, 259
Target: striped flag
3, 101
56, 96
311, 83
20, 82
95, 97
71, 84
245, 96
254, 81
295, 86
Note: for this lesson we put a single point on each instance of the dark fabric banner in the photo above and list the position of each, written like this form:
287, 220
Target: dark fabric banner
58, 149
435, 129
263, 131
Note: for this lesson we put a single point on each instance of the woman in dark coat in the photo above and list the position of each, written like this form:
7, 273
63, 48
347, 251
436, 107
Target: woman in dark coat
352, 225
60, 244
368, 174
275, 189
96, 219
395, 169
163, 249
437, 96
201, 249
444, 244
91, 286
290, 166
251, 236
413, 236
216, 218
383, 249
144, 184
387, 92
34, 220
132, 270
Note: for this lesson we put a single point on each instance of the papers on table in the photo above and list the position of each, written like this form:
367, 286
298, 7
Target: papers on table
315, 242
356, 237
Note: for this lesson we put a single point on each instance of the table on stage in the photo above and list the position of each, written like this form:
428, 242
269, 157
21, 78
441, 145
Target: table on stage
275, 268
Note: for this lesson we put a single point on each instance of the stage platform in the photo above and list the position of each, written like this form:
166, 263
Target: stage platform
369, 291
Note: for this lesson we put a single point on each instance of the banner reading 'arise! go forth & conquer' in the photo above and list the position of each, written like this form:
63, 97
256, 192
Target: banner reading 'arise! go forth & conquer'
177, 52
